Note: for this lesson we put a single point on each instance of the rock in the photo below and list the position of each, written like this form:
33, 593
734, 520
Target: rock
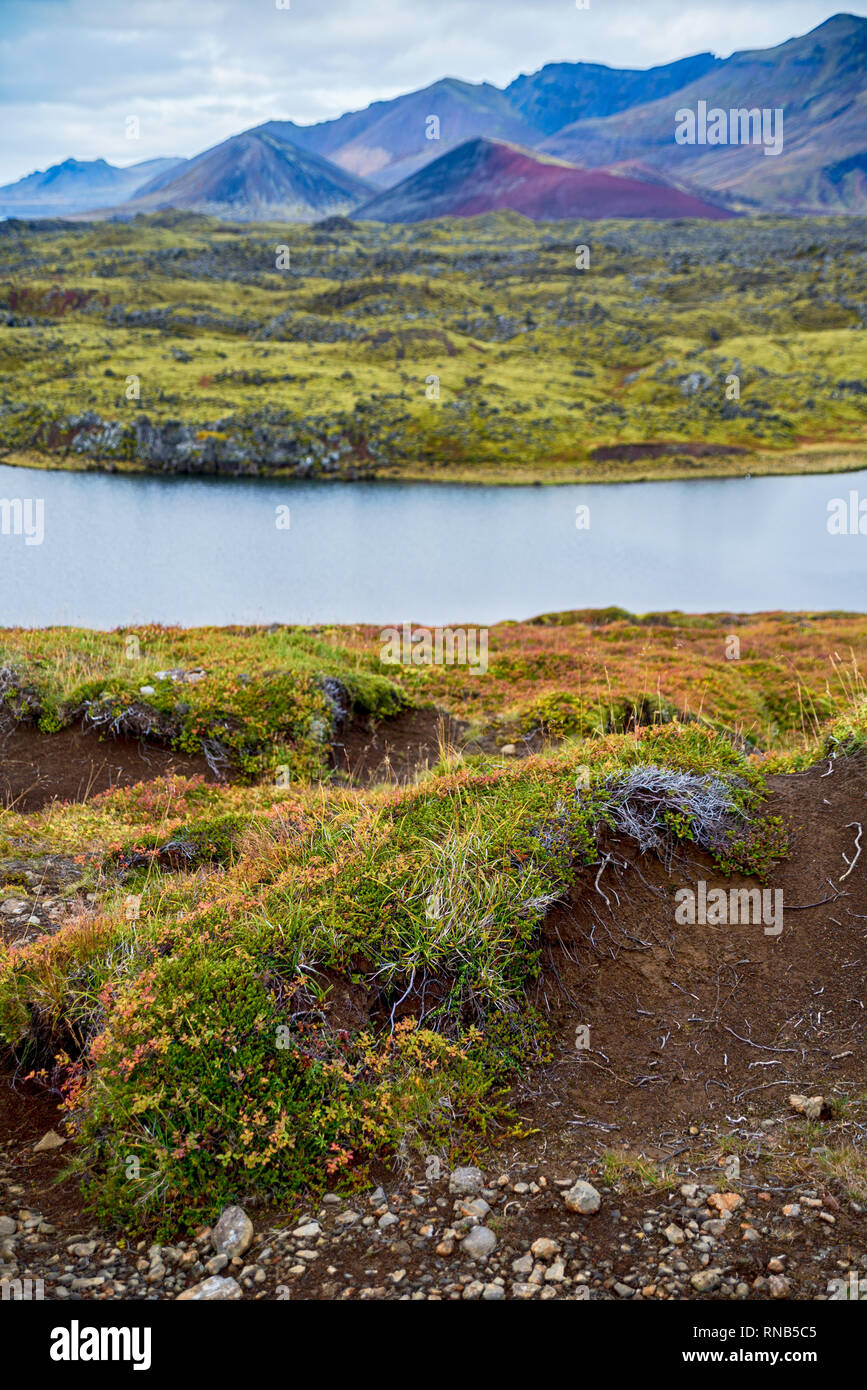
544, 1248
582, 1197
478, 1208
493, 1293
388, 1220
232, 1234
792, 1209
555, 1273
309, 1231
82, 1249
211, 1290
49, 1141
714, 1228
466, 1182
705, 1280
8, 1225
812, 1107
674, 1235
508, 750
725, 1201
216, 1264
778, 1287
523, 1266
777, 1264
480, 1243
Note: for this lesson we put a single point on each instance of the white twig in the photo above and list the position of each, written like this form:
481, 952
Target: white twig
853, 824
596, 884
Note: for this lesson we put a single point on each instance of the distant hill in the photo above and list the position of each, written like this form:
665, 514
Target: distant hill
820, 82
78, 185
390, 139
485, 175
254, 177
563, 92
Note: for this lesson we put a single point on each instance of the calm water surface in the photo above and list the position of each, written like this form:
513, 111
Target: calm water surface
120, 550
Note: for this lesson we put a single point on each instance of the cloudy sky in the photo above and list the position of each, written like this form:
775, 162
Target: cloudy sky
195, 71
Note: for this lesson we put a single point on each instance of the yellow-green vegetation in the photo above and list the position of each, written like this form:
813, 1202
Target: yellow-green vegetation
258, 699
335, 973
772, 679
253, 700
466, 349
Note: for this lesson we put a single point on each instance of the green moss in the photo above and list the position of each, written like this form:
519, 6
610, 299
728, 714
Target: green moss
542, 372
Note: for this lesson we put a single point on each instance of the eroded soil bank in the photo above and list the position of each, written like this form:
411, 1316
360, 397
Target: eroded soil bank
675, 1106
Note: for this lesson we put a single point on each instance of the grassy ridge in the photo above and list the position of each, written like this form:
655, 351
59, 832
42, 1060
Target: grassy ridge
545, 372
334, 973
271, 697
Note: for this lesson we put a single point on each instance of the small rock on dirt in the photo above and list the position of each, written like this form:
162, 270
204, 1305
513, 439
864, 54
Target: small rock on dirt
582, 1197
49, 1141
233, 1232
480, 1243
211, 1290
466, 1182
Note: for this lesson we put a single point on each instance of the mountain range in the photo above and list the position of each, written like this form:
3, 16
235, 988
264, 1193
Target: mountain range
569, 141
78, 185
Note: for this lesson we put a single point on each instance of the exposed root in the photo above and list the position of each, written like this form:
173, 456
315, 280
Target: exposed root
853, 825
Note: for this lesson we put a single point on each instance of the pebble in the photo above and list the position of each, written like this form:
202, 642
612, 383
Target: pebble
582, 1197
466, 1182
480, 1243
233, 1232
544, 1248
211, 1290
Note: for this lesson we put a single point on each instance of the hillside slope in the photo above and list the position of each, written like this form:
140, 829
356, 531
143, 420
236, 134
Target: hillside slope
390, 139
253, 177
489, 175
819, 80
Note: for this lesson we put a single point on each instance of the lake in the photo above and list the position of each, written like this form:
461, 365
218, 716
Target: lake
120, 550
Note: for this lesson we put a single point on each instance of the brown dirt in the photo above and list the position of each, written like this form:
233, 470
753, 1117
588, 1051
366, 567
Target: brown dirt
36, 768
694, 1024
395, 750
26, 1114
